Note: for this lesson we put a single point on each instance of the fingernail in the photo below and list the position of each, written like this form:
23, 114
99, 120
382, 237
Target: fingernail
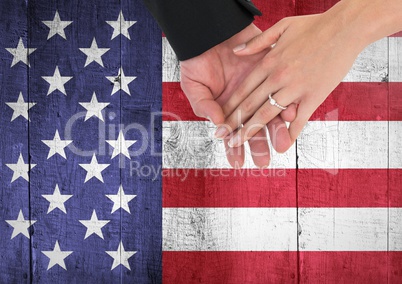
234, 141
221, 132
239, 47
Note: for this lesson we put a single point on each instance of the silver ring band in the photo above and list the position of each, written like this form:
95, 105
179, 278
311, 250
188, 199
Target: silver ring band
274, 103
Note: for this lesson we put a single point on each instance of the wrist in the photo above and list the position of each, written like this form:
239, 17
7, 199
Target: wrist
368, 21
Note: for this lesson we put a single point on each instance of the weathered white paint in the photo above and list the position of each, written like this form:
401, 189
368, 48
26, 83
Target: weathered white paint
273, 229
322, 144
170, 63
191, 144
344, 145
395, 229
229, 229
370, 66
343, 229
395, 59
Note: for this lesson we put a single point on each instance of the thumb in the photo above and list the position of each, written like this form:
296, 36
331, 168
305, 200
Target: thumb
262, 41
202, 102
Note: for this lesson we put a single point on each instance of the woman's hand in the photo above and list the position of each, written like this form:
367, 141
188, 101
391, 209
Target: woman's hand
311, 55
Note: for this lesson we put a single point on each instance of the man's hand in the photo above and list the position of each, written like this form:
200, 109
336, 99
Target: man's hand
210, 79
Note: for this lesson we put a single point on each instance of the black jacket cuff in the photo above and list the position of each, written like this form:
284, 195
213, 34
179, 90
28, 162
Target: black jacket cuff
194, 26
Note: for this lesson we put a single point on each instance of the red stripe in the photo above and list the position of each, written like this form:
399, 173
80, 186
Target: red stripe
277, 188
399, 34
351, 267
395, 101
273, 11
281, 267
308, 7
347, 188
395, 188
348, 102
229, 188
229, 267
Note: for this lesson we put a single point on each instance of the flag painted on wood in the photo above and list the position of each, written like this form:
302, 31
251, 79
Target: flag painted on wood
79, 84
82, 173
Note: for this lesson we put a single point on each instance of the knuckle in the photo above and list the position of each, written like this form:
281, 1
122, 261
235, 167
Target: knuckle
196, 111
247, 106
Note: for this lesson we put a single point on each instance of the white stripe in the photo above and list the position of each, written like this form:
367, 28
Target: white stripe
170, 63
329, 145
395, 59
275, 229
344, 145
229, 229
191, 144
370, 66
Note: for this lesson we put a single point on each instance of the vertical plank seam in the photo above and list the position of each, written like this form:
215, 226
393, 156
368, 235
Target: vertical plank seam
29, 149
388, 153
298, 272
120, 125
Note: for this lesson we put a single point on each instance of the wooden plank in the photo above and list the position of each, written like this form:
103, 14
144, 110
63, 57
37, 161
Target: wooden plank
141, 121
229, 229
395, 156
60, 111
276, 229
15, 248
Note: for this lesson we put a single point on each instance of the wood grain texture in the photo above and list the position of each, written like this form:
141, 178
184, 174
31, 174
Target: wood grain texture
54, 113
191, 144
229, 229
15, 253
276, 229
370, 66
395, 59
322, 144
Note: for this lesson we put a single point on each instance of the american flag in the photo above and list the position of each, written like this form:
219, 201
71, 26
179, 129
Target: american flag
82, 175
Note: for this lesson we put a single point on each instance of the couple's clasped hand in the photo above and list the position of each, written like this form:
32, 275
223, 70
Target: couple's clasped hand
298, 61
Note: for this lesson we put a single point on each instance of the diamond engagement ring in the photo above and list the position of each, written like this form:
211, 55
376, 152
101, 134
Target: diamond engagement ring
274, 103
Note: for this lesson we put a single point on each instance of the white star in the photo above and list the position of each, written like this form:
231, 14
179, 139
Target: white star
121, 82
94, 108
121, 256
20, 107
121, 145
120, 200
94, 226
121, 26
56, 200
20, 225
57, 26
57, 256
20, 169
20, 53
94, 53
56, 81
57, 145
94, 169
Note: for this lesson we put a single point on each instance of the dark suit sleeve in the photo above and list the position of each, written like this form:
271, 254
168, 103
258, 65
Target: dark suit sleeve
194, 26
